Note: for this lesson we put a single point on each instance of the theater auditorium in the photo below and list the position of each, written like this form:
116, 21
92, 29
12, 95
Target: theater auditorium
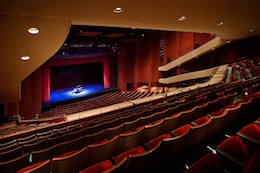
129, 86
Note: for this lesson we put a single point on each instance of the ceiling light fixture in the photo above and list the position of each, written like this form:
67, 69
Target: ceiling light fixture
182, 18
33, 30
118, 9
25, 58
220, 23
251, 30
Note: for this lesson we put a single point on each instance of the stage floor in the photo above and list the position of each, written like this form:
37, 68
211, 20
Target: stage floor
68, 95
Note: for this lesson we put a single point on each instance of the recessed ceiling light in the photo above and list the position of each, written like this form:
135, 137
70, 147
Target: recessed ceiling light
118, 9
220, 23
33, 30
251, 30
25, 58
182, 18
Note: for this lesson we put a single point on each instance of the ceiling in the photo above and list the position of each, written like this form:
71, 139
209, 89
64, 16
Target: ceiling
55, 18
92, 41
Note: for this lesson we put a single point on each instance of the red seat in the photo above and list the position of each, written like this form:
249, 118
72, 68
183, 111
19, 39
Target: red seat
135, 150
234, 153
209, 163
251, 135
99, 167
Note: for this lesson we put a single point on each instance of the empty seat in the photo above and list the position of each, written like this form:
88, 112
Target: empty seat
45, 154
171, 122
232, 114
94, 128
99, 167
113, 131
119, 167
197, 133
27, 148
186, 116
56, 140
233, 153
76, 133
15, 164
143, 162
152, 131
171, 148
209, 163
96, 137
11, 154
130, 143
217, 118
131, 125
251, 135
41, 167
102, 151
74, 144
71, 163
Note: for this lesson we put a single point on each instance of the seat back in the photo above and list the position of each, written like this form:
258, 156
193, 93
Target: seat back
27, 148
15, 164
70, 164
197, 135
144, 162
45, 154
152, 131
11, 154
113, 131
131, 125
130, 140
208, 163
95, 137
171, 122
74, 144
216, 123
102, 151
233, 153
119, 167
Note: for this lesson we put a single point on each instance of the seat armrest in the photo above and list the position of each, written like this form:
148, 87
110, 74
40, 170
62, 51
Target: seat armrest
115, 160
147, 146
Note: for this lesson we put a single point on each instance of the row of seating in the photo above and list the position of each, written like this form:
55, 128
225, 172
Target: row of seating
160, 136
100, 101
239, 153
55, 136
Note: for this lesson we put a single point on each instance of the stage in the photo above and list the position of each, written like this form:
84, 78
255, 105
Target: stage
74, 94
